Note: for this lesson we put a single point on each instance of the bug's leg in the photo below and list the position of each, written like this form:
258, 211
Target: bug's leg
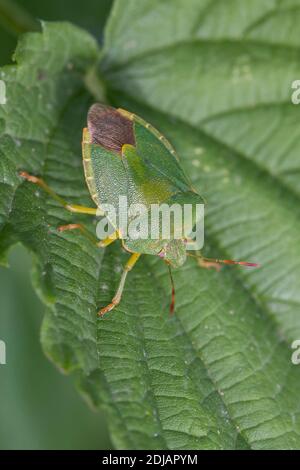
70, 207
110, 239
83, 230
116, 300
102, 243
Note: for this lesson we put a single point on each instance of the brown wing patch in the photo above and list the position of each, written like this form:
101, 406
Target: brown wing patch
109, 128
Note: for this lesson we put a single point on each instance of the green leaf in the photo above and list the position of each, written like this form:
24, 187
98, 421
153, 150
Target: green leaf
217, 82
38, 405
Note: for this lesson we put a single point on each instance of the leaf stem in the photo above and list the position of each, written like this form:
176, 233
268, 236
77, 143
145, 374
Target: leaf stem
95, 85
15, 19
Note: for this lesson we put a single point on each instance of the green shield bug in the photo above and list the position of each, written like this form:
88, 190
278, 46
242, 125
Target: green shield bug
124, 156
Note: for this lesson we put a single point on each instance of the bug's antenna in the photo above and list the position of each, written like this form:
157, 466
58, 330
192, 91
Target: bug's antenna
172, 304
225, 261
230, 261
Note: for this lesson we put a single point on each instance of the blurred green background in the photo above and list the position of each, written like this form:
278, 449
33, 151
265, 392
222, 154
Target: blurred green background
89, 14
38, 405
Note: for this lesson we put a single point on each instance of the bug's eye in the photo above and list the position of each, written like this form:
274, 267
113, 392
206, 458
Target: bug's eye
162, 253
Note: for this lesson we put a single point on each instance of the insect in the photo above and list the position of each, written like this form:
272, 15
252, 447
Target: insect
124, 155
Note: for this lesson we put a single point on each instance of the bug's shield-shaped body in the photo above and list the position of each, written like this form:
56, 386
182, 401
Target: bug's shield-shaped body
125, 156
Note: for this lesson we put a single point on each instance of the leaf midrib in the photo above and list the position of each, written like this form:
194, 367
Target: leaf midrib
220, 42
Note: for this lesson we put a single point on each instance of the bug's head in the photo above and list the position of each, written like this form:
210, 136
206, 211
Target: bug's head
174, 253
